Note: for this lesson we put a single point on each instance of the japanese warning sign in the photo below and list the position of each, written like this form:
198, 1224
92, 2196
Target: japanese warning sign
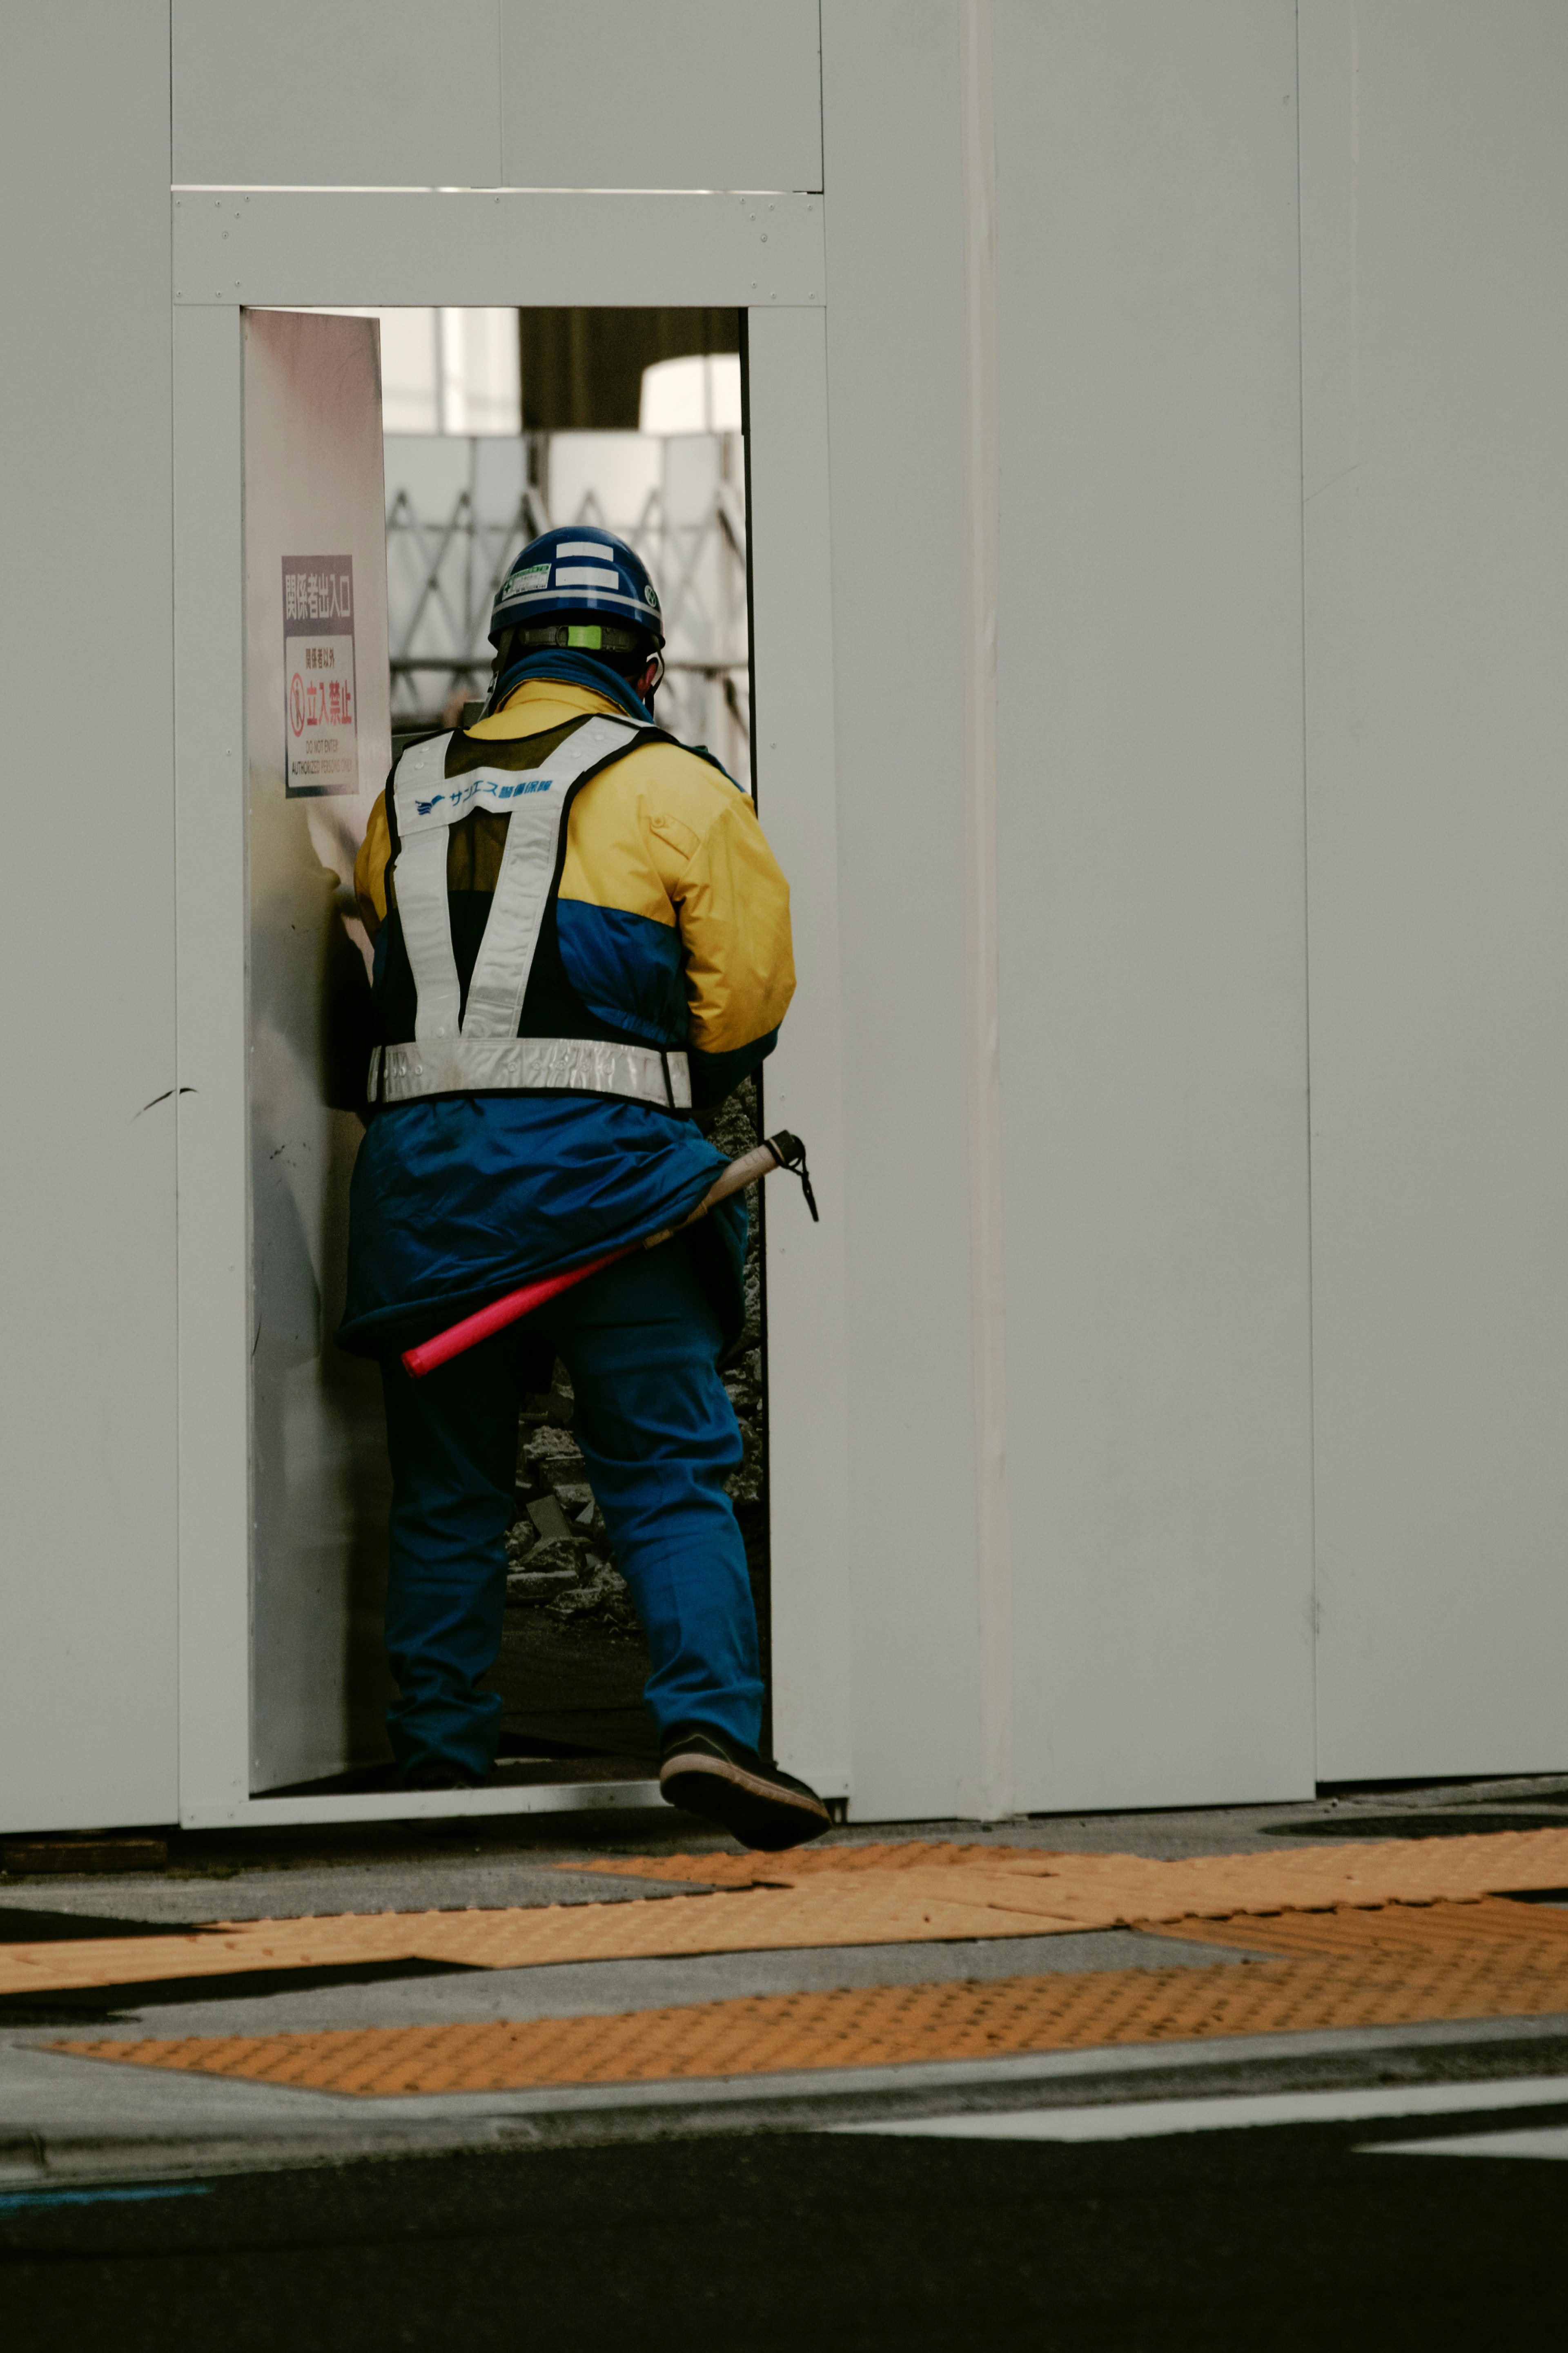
322, 753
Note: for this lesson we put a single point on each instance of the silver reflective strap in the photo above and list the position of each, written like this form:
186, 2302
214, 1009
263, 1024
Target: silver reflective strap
516, 913
371, 1083
420, 879
536, 805
419, 786
468, 1065
428, 804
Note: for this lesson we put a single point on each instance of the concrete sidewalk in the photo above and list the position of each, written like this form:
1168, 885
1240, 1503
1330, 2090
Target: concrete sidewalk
64, 2118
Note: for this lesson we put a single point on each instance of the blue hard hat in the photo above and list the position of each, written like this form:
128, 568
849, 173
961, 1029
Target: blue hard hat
566, 575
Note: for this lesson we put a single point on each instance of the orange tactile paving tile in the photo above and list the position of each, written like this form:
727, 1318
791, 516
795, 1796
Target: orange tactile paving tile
1102, 1890
755, 1869
1423, 1966
844, 1911
838, 1895
1526, 1935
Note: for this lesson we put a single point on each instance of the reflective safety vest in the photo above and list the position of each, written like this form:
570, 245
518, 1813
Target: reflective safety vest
488, 1044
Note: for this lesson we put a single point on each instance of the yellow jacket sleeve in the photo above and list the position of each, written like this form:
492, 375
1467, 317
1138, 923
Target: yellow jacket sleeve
732, 906
370, 869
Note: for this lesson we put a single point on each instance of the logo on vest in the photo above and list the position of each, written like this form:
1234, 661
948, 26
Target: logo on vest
489, 792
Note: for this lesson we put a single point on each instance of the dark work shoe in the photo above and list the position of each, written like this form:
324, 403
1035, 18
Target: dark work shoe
708, 1773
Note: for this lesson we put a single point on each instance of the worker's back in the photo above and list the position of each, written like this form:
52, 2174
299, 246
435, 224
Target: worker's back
668, 930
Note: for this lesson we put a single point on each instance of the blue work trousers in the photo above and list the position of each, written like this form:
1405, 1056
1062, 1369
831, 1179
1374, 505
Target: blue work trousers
659, 1438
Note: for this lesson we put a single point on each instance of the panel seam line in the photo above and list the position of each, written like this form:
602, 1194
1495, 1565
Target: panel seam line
981, 988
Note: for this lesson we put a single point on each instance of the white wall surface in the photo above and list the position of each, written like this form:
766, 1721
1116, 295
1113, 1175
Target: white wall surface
88, 1716
1150, 844
217, 1332
336, 93
895, 357
1150, 887
708, 94
321, 1485
486, 93
302, 250
1434, 287
803, 1080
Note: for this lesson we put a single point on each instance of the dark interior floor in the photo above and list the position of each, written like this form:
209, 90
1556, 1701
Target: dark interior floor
572, 1688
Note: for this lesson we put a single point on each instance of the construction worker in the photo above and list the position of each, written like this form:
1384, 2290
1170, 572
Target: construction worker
582, 939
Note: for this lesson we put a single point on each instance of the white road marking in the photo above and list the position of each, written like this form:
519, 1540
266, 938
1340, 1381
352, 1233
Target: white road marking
1144, 2119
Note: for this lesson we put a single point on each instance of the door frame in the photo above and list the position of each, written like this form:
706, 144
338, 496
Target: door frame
319, 249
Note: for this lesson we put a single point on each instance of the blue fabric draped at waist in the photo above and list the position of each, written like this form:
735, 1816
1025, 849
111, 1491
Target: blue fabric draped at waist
460, 1198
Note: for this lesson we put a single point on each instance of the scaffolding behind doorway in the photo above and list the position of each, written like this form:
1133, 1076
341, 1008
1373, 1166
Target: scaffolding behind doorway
458, 509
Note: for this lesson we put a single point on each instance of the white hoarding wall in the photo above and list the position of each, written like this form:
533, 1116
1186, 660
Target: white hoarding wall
1266, 511
1151, 901
1434, 307
317, 750
88, 1713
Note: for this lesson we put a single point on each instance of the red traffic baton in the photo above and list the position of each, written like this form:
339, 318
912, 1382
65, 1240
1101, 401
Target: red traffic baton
780, 1151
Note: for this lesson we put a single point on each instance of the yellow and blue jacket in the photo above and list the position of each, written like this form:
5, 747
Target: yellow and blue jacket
670, 929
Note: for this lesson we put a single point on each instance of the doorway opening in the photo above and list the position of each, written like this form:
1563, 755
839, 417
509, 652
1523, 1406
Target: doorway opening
498, 426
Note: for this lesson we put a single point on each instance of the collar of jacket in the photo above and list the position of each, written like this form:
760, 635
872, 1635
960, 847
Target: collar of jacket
537, 704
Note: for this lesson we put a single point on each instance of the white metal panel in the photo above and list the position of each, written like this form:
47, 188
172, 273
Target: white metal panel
792, 632
895, 329
701, 94
1434, 236
289, 249
1153, 969
213, 1231
336, 93
88, 1725
320, 1486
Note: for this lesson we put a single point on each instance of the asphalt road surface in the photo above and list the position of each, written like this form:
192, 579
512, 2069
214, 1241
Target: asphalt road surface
1270, 2239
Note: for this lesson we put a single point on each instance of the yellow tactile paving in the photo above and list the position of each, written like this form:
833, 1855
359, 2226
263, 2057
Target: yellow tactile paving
1442, 1961
843, 1895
